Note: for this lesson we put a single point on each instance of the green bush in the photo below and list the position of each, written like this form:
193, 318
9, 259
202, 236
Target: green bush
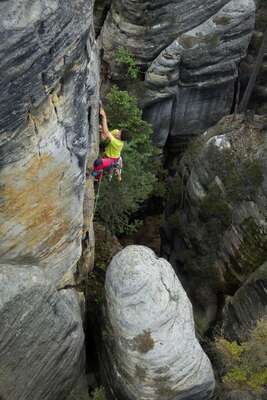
244, 364
99, 394
119, 200
124, 57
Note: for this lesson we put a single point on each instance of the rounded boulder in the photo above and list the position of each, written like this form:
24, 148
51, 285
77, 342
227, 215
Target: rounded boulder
150, 350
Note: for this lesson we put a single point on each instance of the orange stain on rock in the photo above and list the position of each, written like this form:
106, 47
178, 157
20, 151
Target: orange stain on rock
31, 198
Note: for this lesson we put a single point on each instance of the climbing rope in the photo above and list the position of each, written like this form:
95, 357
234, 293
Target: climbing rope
97, 195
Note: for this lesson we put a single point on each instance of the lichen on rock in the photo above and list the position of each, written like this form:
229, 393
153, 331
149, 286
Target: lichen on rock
215, 230
49, 83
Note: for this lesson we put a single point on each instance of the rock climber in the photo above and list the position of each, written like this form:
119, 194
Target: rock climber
112, 154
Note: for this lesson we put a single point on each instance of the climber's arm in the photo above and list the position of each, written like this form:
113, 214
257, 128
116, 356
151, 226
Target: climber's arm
106, 134
103, 136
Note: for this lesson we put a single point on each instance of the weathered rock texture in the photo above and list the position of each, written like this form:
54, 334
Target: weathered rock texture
216, 218
192, 82
191, 51
241, 395
259, 97
150, 348
246, 307
101, 8
47, 127
151, 26
48, 132
41, 336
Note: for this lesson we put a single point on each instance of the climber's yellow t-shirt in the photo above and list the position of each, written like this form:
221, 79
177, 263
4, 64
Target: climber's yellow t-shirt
114, 147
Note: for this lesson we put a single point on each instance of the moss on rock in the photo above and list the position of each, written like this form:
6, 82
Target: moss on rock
253, 250
222, 20
215, 215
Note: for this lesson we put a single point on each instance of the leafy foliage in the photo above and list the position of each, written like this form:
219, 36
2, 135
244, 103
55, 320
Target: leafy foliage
123, 56
106, 246
119, 200
244, 364
99, 394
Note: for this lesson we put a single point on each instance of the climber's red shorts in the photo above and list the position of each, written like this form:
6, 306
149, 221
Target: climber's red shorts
102, 164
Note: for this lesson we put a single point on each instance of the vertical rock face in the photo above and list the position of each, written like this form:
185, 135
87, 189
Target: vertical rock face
246, 307
190, 51
49, 88
216, 221
191, 83
101, 8
152, 25
150, 348
258, 100
48, 132
41, 336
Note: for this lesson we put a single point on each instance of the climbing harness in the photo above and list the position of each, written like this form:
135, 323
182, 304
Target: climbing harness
115, 167
108, 165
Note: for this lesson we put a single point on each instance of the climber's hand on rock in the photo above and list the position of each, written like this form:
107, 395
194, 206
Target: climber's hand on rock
102, 112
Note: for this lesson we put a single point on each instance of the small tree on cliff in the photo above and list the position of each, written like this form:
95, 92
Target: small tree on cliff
119, 200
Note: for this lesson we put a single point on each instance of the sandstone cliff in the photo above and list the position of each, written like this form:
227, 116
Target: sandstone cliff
259, 96
215, 230
188, 53
48, 132
246, 307
47, 125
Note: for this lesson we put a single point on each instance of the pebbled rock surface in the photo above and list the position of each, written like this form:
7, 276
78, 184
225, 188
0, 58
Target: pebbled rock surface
48, 125
188, 52
215, 230
150, 348
41, 336
246, 307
